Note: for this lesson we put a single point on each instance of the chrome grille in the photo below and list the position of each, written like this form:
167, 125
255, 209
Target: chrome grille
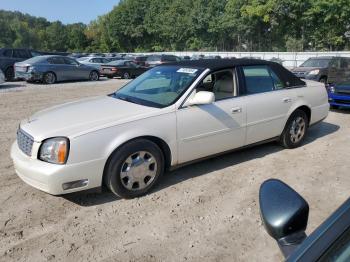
25, 142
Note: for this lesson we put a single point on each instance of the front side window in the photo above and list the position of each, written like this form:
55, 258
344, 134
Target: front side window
158, 87
221, 83
70, 61
260, 79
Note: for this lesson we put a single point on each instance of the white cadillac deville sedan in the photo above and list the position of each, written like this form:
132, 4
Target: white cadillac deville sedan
169, 116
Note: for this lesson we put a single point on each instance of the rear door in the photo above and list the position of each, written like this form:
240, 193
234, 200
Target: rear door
58, 66
268, 103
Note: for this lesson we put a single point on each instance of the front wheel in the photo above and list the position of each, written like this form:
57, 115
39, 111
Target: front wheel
94, 76
295, 130
134, 168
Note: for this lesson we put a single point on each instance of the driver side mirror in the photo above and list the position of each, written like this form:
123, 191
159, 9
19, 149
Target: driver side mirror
284, 214
200, 98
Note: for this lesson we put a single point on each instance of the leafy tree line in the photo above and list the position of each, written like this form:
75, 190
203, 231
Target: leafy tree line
207, 25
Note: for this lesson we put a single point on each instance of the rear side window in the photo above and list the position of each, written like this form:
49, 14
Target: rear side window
18, 53
260, 79
8, 53
56, 60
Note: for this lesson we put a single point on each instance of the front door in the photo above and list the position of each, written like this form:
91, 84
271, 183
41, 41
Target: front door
204, 130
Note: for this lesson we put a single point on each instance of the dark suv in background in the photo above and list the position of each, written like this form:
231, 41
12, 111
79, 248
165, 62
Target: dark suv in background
9, 56
326, 69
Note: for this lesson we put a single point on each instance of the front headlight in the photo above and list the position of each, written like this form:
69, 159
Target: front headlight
54, 150
314, 72
30, 68
331, 89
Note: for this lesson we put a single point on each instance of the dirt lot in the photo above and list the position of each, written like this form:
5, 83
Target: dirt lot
203, 212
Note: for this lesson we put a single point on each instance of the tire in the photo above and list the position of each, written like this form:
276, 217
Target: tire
49, 78
126, 75
94, 76
134, 168
334, 107
295, 130
323, 80
9, 74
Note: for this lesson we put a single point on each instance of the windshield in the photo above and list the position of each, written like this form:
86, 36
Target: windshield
159, 87
316, 63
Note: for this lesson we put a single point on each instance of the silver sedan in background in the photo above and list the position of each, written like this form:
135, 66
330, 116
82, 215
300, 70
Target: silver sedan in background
53, 68
95, 62
2, 77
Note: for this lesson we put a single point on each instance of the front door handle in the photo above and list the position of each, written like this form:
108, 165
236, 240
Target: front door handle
236, 110
287, 100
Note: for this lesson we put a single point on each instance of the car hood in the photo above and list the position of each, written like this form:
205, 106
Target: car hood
304, 69
84, 116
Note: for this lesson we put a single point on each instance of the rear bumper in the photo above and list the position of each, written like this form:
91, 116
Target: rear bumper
29, 76
339, 100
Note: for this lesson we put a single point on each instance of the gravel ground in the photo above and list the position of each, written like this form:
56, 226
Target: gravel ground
206, 211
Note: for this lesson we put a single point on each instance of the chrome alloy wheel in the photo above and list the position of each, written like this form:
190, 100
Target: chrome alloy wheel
138, 170
297, 130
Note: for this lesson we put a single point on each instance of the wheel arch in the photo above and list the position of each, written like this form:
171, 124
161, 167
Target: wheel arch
50, 71
304, 108
164, 147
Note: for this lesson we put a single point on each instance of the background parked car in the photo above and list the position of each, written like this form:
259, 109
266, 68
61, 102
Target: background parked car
95, 62
140, 60
123, 68
2, 77
285, 218
154, 60
339, 95
9, 56
325, 69
51, 69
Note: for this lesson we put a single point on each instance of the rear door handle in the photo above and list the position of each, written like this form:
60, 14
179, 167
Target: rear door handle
287, 100
236, 110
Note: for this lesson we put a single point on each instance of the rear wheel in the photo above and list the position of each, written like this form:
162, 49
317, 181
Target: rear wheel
9, 74
134, 168
94, 76
295, 130
49, 78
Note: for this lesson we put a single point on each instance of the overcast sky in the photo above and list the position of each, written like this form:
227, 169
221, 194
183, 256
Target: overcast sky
67, 11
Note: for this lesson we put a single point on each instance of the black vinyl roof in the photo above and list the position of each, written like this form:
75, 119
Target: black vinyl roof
288, 78
217, 64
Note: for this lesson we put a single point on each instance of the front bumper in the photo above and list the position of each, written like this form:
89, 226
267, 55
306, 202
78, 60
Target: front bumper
50, 177
338, 100
29, 76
